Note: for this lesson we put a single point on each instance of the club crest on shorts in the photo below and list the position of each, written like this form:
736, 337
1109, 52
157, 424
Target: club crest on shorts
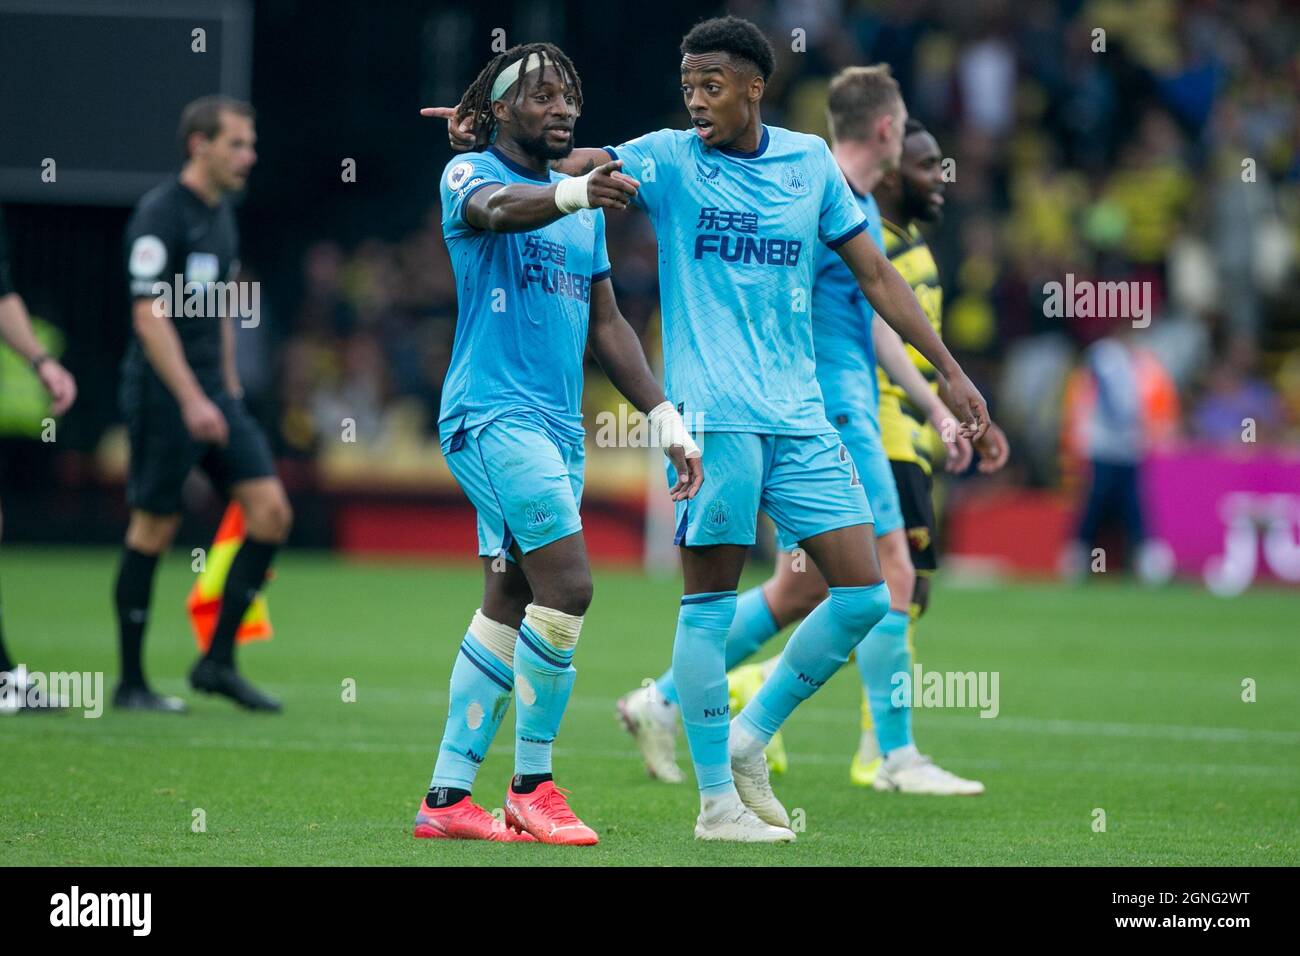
539, 513
717, 515
919, 538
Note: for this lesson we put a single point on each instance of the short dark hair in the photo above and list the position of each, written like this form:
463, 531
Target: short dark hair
204, 116
913, 126
732, 35
859, 95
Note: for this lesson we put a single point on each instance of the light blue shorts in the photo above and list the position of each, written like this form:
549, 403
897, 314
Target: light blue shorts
861, 435
525, 484
807, 485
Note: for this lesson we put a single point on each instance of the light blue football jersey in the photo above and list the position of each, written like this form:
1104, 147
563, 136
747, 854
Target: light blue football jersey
841, 321
737, 235
523, 304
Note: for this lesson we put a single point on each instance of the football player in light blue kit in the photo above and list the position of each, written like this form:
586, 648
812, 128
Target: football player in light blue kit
867, 117
738, 209
532, 277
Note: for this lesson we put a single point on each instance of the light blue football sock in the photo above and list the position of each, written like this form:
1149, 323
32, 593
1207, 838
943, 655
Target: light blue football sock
700, 672
816, 650
544, 676
480, 695
882, 655
752, 627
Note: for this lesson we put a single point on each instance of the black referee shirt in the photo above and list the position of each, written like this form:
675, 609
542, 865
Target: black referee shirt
173, 232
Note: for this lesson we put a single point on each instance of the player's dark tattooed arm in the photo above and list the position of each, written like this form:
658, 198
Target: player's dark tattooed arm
521, 207
461, 138
618, 350
581, 161
162, 346
894, 300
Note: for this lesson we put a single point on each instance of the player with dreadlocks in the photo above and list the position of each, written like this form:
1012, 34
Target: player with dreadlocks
533, 281
477, 101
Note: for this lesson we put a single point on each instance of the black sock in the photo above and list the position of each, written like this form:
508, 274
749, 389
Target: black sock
528, 782
6, 662
445, 796
132, 594
245, 578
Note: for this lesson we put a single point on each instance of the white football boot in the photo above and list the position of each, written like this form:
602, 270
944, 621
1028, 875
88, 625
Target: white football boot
733, 822
755, 788
653, 722
907, 771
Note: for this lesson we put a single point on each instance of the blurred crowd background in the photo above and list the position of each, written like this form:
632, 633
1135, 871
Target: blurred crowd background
1163, 150
1148, 140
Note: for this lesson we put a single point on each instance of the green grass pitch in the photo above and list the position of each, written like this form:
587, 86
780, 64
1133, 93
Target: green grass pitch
1112, 698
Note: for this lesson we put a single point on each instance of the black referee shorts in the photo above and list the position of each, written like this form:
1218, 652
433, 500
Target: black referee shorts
162, 451
915, 496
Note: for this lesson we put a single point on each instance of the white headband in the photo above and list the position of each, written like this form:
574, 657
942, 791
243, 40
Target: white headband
511, 73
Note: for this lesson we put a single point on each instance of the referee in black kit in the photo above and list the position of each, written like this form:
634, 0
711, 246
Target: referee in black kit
182, 400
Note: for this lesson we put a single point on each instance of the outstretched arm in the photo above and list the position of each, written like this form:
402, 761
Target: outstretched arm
619, 353
460, 136
581, 161
521, 207
894, 301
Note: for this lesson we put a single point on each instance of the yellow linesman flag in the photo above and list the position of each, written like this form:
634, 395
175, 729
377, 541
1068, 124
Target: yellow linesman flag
205, 597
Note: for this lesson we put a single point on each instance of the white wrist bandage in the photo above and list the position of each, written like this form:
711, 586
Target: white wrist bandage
571, 194
668, 429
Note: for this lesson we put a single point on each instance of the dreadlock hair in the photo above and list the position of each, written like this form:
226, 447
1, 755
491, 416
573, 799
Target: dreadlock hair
477, 100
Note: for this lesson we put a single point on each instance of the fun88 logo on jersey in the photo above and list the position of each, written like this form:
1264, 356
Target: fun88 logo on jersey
733, 237
546, 270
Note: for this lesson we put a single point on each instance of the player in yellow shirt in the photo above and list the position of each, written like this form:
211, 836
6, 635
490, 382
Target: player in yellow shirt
911, 195
910, 441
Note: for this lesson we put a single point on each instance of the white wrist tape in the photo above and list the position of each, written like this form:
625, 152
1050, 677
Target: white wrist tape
571, 194
668, 429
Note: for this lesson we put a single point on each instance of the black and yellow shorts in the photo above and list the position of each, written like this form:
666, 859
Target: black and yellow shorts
915, 495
